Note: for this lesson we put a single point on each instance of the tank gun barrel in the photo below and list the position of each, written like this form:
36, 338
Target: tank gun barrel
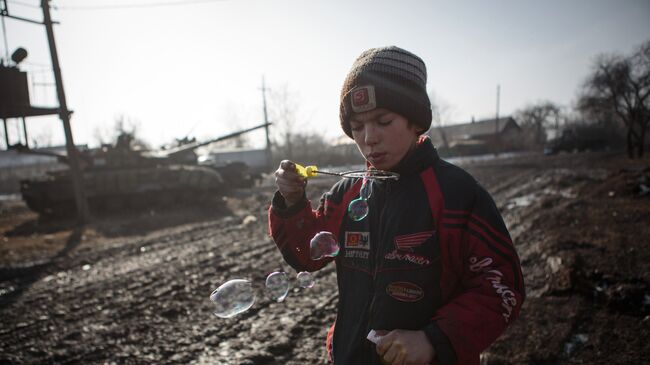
192, 146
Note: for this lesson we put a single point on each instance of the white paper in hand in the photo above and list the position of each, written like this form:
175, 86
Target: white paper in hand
373, 336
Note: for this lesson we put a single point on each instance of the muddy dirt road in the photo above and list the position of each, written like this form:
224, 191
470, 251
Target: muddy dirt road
134, 288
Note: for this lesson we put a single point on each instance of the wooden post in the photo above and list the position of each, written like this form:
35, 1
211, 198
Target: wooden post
4, 123
83, 214
25, 133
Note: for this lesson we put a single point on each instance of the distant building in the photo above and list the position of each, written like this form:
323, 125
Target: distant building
477, 137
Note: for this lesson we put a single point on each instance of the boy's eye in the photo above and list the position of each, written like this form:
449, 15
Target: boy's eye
385, 121
356, 127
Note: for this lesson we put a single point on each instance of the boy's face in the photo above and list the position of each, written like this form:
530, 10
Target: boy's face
383, 137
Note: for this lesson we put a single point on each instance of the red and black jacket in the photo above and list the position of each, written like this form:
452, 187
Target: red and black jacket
433, 254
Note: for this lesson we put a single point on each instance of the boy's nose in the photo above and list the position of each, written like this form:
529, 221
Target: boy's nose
371, 135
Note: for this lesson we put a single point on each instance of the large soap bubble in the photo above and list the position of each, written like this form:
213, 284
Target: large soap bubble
323, 245
305, 279
233, 297
277, 285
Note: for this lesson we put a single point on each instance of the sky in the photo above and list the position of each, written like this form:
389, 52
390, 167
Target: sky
196, 69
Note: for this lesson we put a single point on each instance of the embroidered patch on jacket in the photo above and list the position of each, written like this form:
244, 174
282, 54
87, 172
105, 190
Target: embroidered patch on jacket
407, 256
499, 283
363, 98
405, 291
407, 242
357, 240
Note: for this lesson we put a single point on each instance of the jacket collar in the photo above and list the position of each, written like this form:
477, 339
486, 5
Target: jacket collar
423, 155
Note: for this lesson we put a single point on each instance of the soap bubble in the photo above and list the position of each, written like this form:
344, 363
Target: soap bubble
358, 209
277, 285
233, 297
305, 280
323, 245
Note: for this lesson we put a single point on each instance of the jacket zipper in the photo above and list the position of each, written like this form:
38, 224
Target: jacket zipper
377, 255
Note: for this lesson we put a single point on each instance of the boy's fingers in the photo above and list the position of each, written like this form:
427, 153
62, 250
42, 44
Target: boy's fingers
288, 165
288, 173
382, 345
400, 359
290, 189
289, 181
390, 355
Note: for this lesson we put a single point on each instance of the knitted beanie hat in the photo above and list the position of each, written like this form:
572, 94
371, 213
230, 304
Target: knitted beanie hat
387, 77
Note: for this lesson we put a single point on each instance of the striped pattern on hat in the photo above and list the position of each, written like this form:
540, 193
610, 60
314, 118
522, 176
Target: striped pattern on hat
398, 79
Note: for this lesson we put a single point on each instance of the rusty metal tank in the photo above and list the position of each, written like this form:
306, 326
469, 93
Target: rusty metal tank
120, 177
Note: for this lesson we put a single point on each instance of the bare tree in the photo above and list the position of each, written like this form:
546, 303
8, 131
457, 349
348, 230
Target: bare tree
620, 86
43, 138
284, 114
537, 117
234, 116
440, 113
122, 126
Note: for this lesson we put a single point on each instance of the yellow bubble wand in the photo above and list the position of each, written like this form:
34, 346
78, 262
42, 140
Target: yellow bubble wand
312, 171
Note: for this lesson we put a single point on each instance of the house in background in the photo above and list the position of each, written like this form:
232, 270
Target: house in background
477, 137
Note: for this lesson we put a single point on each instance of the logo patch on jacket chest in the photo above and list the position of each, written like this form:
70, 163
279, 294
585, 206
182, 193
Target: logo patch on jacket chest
357, 240
405, 245
404, 291
407, 242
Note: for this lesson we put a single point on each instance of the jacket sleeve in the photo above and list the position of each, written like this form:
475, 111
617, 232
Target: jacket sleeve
484, 289
293, 228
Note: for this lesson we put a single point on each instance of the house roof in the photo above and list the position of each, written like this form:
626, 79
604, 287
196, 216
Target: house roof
478, 128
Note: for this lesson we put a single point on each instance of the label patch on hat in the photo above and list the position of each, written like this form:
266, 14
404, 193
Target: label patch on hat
405, 291
363, 98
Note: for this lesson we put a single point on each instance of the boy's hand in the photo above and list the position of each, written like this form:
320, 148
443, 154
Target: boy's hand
289, 183
403, 347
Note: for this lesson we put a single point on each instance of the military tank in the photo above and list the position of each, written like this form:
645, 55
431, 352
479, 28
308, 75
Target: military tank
120, 177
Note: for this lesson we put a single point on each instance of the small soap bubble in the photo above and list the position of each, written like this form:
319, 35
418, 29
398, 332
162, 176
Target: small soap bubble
358, 209
305, 279
277, 285
323, 245
233, 297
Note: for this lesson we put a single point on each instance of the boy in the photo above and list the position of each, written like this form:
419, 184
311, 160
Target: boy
432, 268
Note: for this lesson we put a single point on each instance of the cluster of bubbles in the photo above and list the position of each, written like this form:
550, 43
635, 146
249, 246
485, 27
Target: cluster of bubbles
358, 208
238, 295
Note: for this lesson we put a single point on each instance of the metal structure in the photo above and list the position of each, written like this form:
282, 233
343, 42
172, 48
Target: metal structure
17, 108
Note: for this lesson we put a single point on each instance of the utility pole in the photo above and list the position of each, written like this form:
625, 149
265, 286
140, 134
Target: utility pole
4, 123
266, 128
80, 199
25, 133
4, 12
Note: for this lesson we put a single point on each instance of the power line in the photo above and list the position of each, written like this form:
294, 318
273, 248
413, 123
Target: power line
133, 6
21, 3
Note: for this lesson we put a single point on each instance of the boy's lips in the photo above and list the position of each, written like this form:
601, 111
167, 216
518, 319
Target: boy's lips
377, 157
